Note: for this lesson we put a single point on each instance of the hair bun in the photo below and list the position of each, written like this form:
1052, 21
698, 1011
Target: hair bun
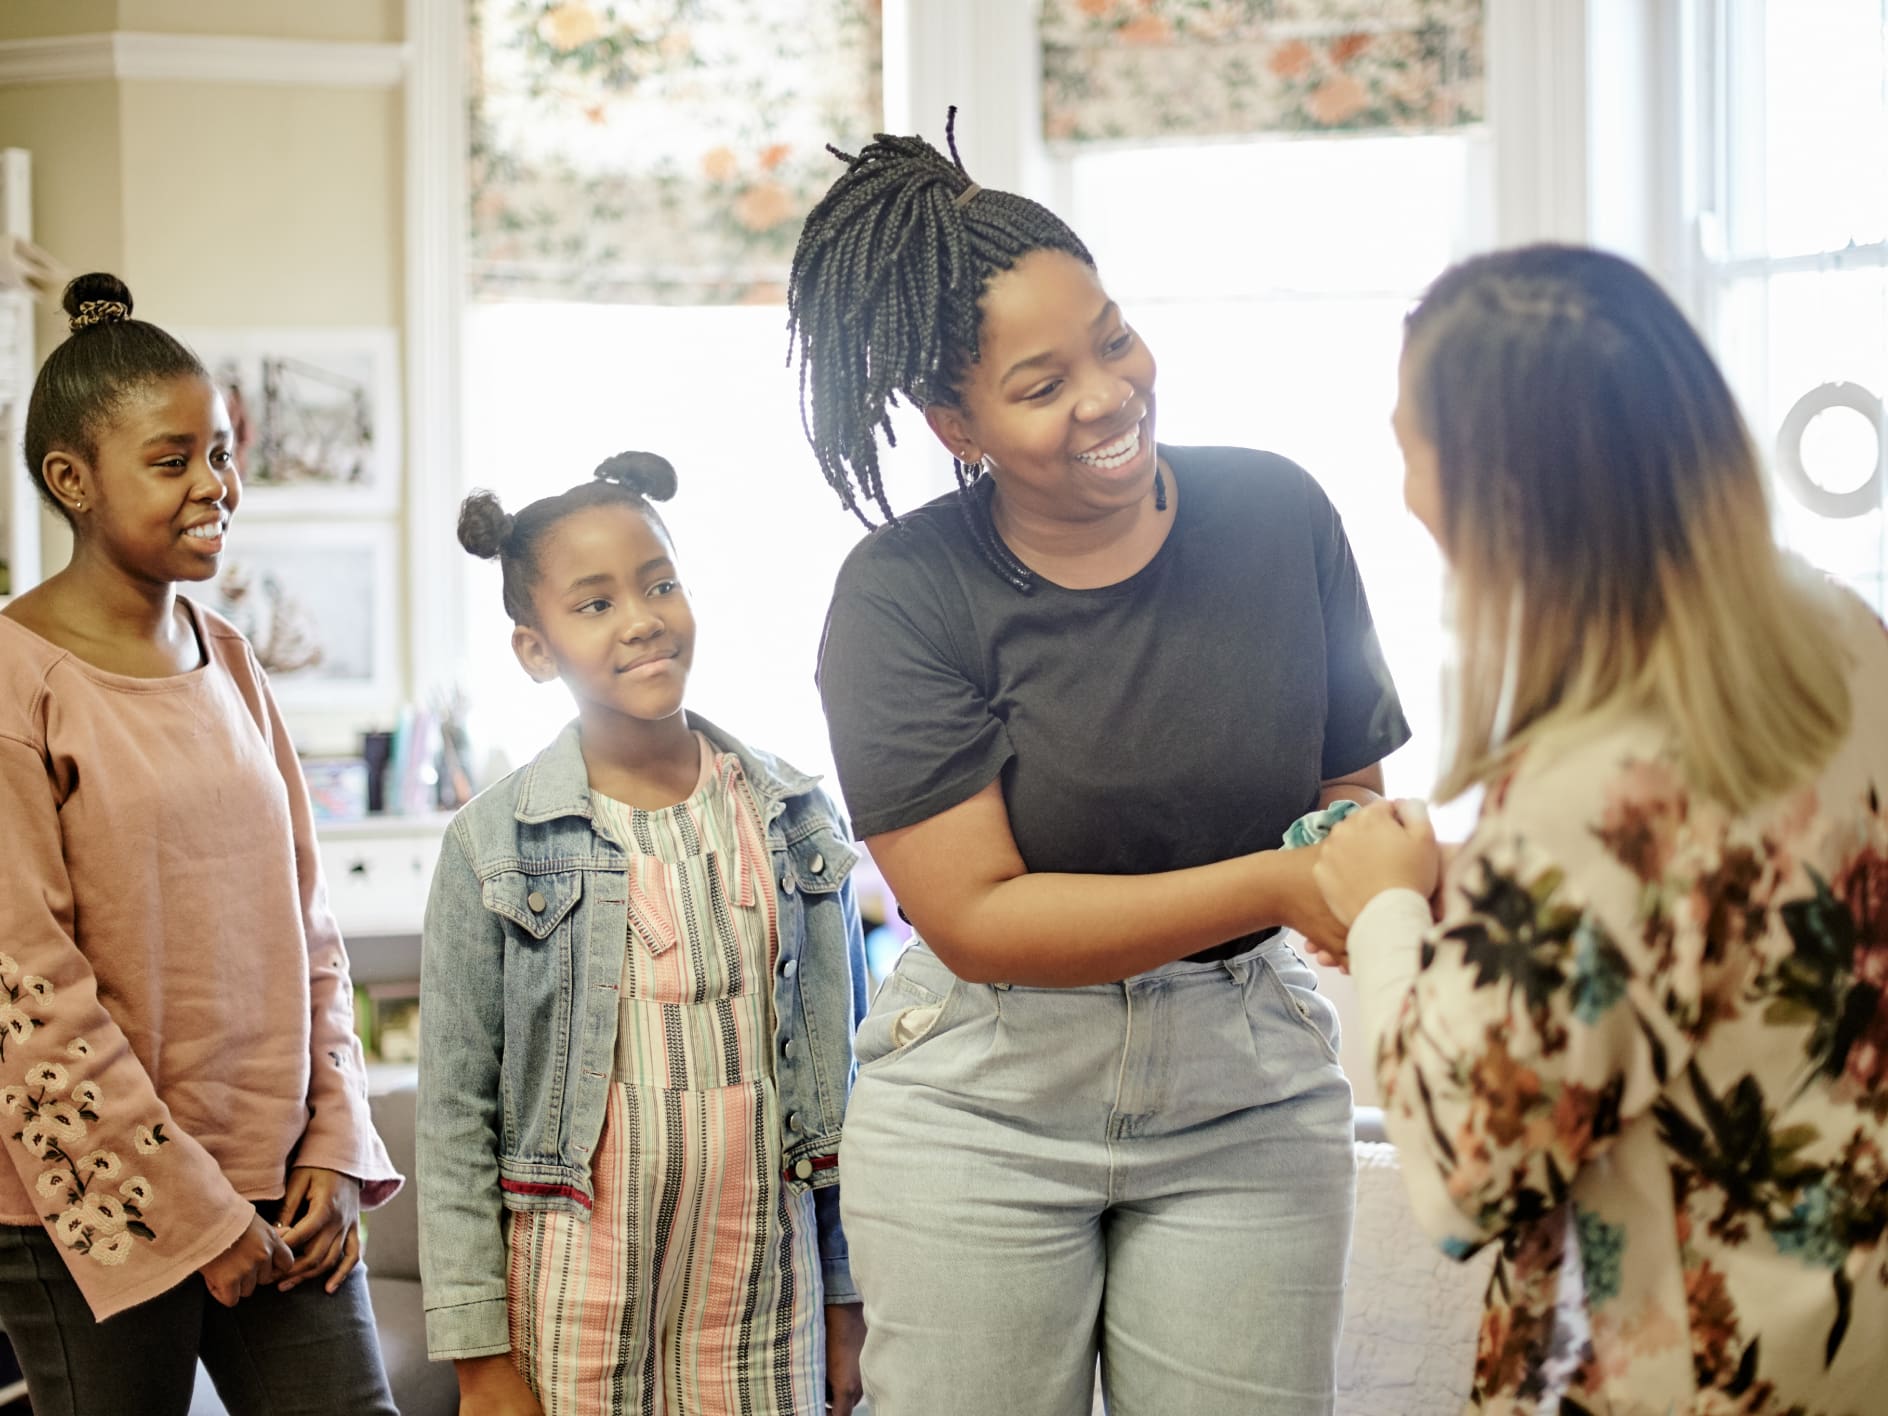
484, 524
96, 299
645, 473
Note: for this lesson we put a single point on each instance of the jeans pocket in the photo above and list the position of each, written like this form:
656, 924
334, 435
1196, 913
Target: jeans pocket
1295, 987
906, 1011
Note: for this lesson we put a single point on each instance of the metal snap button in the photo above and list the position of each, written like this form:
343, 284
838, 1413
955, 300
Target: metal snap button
788, 967
817, 863
786, 884
803, 1171
786, 1048
793, 1121
536, 901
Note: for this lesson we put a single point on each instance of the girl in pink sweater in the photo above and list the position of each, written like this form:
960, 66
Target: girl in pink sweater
184, 1101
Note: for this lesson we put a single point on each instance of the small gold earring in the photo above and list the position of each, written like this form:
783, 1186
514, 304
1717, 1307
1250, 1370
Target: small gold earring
78, 506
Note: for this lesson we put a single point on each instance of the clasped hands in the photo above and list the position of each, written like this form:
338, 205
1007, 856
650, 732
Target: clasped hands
1386, 845
319, 1234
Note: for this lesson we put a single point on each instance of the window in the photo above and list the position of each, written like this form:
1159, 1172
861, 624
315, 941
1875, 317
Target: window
554, 388
1794, 235
1270, 278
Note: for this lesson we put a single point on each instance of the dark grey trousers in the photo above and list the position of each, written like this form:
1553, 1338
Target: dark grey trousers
302, 1353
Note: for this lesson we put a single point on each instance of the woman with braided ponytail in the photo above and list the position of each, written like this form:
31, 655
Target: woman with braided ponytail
1075, 706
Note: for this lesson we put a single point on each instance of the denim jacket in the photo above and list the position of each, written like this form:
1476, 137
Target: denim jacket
523, 957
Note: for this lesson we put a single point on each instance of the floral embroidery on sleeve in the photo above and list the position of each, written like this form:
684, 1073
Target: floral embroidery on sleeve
92, 1219
16, 1024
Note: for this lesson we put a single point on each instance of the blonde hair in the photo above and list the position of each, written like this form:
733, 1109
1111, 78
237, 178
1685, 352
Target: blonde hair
1605, 516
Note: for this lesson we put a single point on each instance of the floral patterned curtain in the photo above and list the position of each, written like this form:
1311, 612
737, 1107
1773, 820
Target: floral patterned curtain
658, 151
1137, 69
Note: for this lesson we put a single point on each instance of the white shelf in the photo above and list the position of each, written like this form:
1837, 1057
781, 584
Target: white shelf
379, 871
377, 828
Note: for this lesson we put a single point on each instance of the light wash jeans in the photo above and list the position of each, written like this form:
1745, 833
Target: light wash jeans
1159, 1170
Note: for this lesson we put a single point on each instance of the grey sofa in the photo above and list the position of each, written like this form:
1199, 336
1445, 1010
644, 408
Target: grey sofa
420, 1388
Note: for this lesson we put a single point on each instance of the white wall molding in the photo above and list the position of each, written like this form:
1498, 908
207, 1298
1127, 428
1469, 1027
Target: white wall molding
210, 58
64, 59
436, 240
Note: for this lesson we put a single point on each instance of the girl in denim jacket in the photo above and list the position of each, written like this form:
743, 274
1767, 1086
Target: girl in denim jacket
643, 968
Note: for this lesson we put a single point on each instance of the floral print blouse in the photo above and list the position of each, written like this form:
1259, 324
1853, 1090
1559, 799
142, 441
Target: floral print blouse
1645, 1050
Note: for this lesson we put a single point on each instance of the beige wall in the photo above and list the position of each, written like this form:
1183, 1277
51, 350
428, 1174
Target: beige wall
220, 204
42, 19
78, 192
262, 206
364, 20
78, 198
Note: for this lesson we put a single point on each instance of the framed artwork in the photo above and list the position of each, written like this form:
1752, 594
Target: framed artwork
317, 416
320, 605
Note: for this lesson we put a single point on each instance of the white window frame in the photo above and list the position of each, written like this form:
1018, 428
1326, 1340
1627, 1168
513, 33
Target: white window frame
1723, 112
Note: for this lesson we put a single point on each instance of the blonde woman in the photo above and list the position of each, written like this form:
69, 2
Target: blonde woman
1643, 1042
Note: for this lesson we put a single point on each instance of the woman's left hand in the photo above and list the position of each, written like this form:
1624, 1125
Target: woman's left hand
845, 1336
321, 1224
1385, 846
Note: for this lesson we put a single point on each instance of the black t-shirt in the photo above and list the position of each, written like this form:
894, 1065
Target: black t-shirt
1182, 716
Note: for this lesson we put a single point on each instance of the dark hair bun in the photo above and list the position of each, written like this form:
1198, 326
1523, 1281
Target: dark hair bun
96, 299
645, 473
484, 524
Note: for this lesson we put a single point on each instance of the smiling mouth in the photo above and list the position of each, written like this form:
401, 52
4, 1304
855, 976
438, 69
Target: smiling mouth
647, 660
1118, 453
209, 531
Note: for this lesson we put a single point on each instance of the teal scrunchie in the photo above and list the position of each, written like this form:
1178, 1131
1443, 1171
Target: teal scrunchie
1314, 826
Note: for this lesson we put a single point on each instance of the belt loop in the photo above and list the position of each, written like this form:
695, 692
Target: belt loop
1239, 970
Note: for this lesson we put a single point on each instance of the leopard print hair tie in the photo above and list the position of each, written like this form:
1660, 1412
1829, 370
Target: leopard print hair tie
98, 312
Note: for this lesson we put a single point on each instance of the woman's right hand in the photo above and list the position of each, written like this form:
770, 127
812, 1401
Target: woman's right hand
1311, 916
491, 1386
257, 1257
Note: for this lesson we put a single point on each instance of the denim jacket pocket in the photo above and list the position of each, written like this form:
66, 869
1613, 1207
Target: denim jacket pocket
820, 860
537, 904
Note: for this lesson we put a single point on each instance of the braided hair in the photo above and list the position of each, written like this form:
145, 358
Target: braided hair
488, 531
885, 296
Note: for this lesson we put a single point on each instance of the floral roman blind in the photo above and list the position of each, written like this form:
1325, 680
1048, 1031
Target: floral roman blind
658, 151
1140, 69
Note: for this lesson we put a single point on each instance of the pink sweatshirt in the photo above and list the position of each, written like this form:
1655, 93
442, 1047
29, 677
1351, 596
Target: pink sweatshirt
176, 1018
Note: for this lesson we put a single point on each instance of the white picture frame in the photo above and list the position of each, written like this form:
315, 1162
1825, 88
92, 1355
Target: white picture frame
317, 414
319, 604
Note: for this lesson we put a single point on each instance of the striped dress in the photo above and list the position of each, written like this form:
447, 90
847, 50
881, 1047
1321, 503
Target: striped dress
694, 1287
